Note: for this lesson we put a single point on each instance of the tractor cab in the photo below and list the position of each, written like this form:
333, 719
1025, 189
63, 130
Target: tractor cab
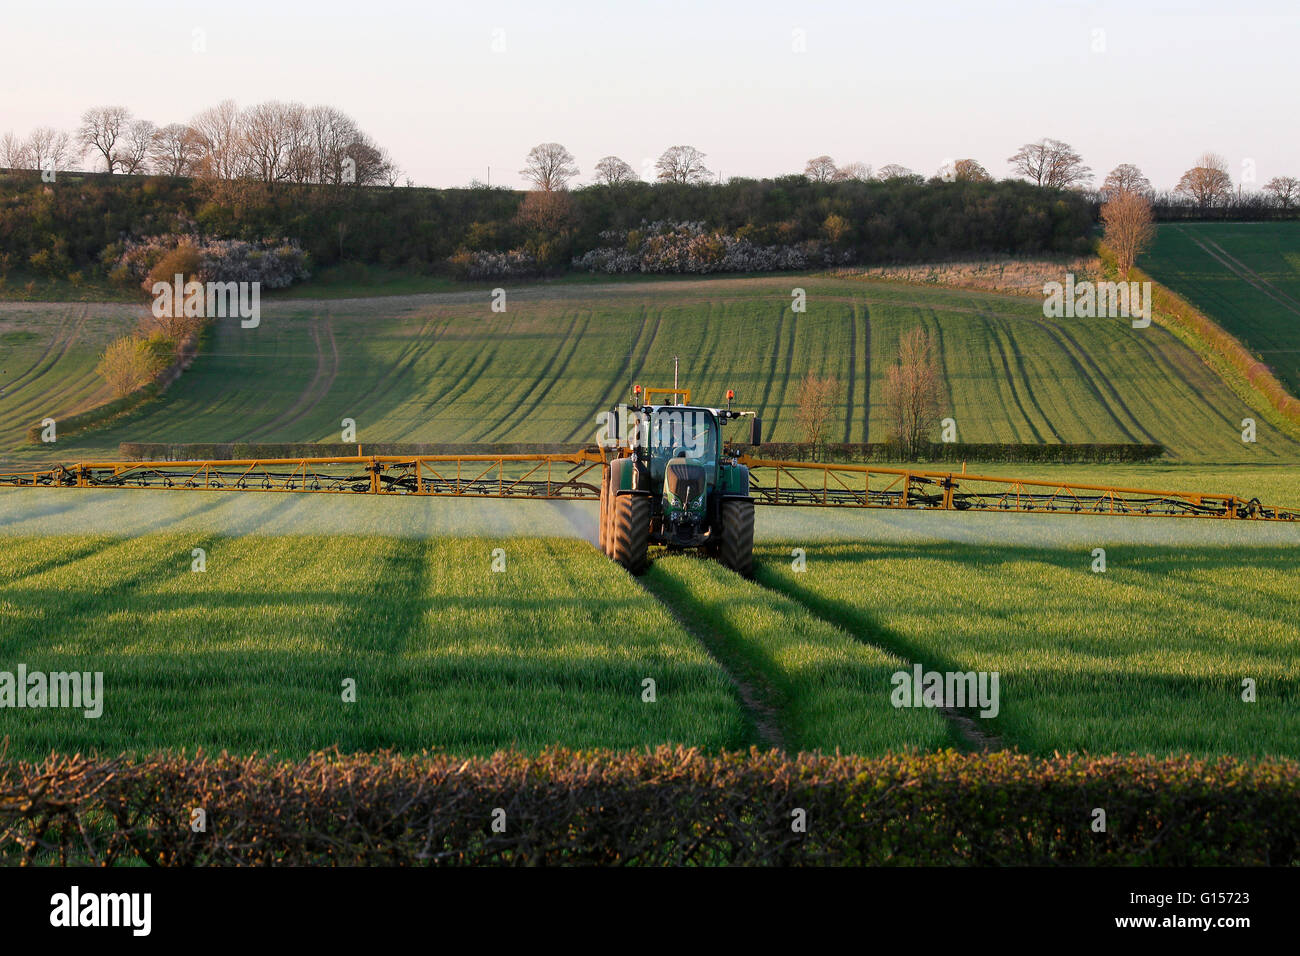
683, 451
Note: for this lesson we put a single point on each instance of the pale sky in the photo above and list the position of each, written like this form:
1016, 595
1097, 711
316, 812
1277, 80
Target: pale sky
1153, 83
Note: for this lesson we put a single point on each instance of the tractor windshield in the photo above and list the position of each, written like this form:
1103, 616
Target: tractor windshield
690, 431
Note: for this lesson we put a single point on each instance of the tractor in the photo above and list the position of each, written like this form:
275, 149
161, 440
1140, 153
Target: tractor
674, 482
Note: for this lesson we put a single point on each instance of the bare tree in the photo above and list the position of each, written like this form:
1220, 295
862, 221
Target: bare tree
133, 153
329, 133
368, 163
894, 171
682, 164
221, 134
1285, 190
271, 131
1207, 183
1051, 163
48, 148
101, 127
914, 391
1125, 178
13, 152
549, 167
612, 171
820, 169
174, 150
1129, 227
817, 396
392, 173
853, 172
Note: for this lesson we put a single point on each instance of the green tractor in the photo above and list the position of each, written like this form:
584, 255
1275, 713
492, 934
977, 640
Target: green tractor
674, 482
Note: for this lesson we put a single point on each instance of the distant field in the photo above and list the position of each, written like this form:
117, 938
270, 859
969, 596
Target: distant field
1246, 276
47, 361
251, 654
1148, 656
445, 368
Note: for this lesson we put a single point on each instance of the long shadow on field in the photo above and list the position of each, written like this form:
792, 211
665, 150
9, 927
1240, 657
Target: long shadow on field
80, 611
762, 703
60, 560
867, 630
1154, 581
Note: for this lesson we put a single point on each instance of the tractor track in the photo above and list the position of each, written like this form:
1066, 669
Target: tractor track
1007, 353
327, 368
17, 382
545, 378
853, 364
1244, 272
756, 695
962, 724
866, 372
760, 700
38, 369
478, 363
771, 375
1091, 375
942, 356
403, 364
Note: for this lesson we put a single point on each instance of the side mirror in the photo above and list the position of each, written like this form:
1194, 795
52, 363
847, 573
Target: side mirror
756, 431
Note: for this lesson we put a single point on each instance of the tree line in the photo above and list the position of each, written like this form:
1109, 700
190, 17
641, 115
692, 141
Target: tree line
290, 142
1047, 163
269, 142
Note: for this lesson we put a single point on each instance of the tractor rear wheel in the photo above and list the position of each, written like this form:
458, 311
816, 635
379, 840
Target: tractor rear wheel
630, 532
736, 549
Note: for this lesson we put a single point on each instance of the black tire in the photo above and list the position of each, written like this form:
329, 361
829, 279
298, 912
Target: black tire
736, 549
630, 531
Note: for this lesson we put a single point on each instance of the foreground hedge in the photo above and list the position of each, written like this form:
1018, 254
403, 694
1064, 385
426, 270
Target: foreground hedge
667, 806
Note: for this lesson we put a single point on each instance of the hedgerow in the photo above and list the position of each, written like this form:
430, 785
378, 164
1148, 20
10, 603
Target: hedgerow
668, 806
949, 452
848, 452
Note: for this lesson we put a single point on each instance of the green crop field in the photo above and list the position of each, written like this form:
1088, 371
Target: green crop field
1246, 276
822, 683
302, 593
1148, 656
251, 653
47, 361
445, 368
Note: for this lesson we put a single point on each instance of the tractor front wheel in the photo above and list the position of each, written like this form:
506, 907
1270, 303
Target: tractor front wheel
736, 549
630, 532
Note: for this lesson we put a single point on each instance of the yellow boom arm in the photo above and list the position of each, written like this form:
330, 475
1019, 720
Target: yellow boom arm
577, 476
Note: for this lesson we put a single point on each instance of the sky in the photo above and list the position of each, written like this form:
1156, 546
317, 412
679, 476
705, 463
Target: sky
455, 90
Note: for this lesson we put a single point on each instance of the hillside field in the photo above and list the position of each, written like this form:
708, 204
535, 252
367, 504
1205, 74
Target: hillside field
1245, 276
445, 368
